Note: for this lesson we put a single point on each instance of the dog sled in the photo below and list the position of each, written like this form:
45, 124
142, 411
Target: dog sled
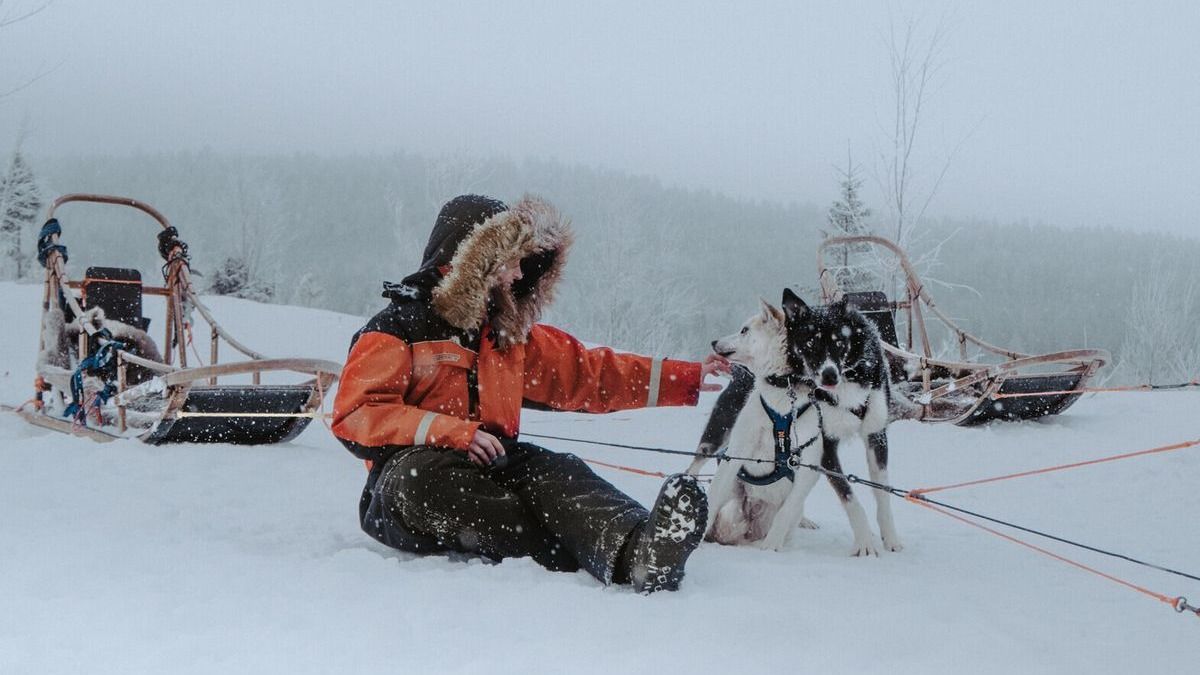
100, 375
967, 391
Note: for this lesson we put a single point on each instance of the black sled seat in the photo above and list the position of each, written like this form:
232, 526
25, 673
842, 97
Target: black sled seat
874, 305
250, 415
117, 291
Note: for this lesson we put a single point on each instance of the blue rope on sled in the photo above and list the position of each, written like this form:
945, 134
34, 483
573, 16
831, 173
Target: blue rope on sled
99, 363
45, 245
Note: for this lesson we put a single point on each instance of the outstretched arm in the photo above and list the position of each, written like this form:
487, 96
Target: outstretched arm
562, 373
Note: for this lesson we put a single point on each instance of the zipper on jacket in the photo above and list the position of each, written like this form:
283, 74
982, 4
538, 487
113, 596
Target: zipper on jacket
472, 391
476, 341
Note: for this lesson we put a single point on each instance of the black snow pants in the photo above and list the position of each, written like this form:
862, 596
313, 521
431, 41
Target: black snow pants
546, 505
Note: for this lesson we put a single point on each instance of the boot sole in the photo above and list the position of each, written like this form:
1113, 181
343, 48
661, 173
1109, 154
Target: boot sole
674, 530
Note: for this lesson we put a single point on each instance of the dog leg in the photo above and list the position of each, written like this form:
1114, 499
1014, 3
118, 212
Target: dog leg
864, 539
724, 415
877, 461
760, 513
811, 455
729, 524
790, 513
724, 489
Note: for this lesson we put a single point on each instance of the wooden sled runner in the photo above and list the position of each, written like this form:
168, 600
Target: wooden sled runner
101, 376
1014, 386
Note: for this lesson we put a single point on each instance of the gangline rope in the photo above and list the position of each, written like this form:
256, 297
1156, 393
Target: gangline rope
919, 497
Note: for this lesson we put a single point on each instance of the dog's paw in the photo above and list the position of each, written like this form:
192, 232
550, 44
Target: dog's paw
768, 544
894, 545
863, 549
807, 524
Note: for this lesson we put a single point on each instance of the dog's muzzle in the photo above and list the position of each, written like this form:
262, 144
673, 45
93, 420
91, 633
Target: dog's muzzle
829, 377
716, 350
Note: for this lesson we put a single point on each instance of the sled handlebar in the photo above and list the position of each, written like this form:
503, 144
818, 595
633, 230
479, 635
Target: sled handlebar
108, 199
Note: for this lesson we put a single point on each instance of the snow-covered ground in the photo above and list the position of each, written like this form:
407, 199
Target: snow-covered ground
125, 558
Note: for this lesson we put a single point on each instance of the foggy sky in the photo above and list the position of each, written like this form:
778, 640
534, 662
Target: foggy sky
1067, 113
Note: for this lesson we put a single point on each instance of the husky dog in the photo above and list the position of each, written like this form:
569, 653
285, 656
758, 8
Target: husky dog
838, 351
749, 501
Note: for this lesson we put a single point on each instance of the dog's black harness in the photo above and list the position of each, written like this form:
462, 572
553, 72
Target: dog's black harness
818, 394
786, 459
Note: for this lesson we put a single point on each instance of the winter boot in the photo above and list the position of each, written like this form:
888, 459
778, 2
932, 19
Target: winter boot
655, 554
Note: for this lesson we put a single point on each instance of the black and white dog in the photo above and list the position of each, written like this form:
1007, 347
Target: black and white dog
839, 352
753, 499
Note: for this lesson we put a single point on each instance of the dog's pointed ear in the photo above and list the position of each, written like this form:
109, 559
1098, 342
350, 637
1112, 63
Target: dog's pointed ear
772, 312
793, 306
840, 304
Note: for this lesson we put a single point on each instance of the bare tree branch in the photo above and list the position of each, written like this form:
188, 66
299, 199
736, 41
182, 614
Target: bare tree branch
916, 63
9, 18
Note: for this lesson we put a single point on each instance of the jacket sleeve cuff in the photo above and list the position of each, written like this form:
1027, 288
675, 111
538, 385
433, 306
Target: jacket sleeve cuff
679, 383
458, 433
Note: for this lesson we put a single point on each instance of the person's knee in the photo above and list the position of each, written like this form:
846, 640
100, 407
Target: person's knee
542, 457
572, 466
422, 476
575, 464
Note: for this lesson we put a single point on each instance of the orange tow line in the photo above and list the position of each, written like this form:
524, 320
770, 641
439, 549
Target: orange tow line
1061, 467
1179, 603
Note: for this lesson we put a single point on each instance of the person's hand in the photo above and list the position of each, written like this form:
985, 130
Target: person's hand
713, 364
484, 448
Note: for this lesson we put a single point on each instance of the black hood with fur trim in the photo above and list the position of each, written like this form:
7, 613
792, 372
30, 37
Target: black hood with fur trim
472, 237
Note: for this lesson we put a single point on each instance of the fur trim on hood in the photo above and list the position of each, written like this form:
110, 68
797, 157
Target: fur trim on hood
532, 230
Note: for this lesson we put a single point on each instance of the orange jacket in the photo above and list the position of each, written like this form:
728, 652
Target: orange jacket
397, 391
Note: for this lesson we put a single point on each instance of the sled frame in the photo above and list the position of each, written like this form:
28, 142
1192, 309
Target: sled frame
975, 385
175, 381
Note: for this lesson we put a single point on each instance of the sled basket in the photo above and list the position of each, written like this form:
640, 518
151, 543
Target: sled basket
1040, 396
254, 415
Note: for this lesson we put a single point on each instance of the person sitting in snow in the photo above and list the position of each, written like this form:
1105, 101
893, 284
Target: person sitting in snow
431, 397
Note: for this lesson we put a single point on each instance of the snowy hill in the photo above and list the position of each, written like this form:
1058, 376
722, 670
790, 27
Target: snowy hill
125, 558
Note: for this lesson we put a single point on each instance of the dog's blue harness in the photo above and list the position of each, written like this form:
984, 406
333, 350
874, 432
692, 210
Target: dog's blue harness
786, 459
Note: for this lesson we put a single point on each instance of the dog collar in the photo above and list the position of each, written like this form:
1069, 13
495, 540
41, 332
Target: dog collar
783, 380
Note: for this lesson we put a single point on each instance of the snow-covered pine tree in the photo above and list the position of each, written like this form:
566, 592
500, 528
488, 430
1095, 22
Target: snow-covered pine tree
20, 205
848, 216
233, 277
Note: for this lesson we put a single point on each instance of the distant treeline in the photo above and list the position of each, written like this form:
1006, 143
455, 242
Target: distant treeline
654, 269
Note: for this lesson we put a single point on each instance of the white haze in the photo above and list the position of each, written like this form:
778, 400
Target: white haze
695, 147
1073, 114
